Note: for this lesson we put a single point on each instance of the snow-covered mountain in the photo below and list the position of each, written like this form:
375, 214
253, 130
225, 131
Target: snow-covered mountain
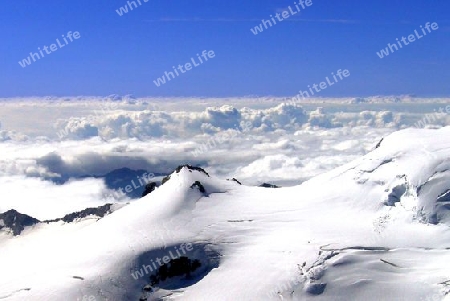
377, 228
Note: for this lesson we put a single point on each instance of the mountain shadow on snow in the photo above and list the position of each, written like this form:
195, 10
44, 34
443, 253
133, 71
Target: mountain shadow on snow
184, 269
182, 266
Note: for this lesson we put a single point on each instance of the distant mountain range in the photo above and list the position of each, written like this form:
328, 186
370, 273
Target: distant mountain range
118, 179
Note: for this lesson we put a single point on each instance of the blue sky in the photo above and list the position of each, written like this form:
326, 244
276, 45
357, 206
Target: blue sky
125, 54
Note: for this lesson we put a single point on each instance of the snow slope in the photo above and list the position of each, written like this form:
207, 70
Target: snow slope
377, 228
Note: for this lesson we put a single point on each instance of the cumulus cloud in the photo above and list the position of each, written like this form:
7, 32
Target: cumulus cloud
11, 135
254, 140
319, 118
118, 117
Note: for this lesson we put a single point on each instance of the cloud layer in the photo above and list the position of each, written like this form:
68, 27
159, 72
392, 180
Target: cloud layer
255, 140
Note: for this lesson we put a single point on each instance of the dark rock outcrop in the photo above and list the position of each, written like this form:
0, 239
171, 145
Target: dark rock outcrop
235, 180
16, 221
97, 211
189, 167
199, 186
165, 179
379, 143
149, 188
267, 185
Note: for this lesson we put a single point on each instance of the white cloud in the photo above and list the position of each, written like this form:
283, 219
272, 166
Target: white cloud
283, 143
45, 200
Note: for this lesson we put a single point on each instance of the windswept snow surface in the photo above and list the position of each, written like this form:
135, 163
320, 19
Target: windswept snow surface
377, 228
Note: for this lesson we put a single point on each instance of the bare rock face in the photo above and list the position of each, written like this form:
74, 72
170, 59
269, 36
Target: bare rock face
149, 188
199, 185
100, 212
189, 167
379, 143
235, 180
267, 185
16, 221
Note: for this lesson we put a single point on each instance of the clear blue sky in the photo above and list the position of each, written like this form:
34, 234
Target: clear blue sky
124, 54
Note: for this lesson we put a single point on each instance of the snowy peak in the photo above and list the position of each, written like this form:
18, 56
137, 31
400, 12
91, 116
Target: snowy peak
377, 224
409, 170
186, 167
189, 173
97, 212
16, 222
